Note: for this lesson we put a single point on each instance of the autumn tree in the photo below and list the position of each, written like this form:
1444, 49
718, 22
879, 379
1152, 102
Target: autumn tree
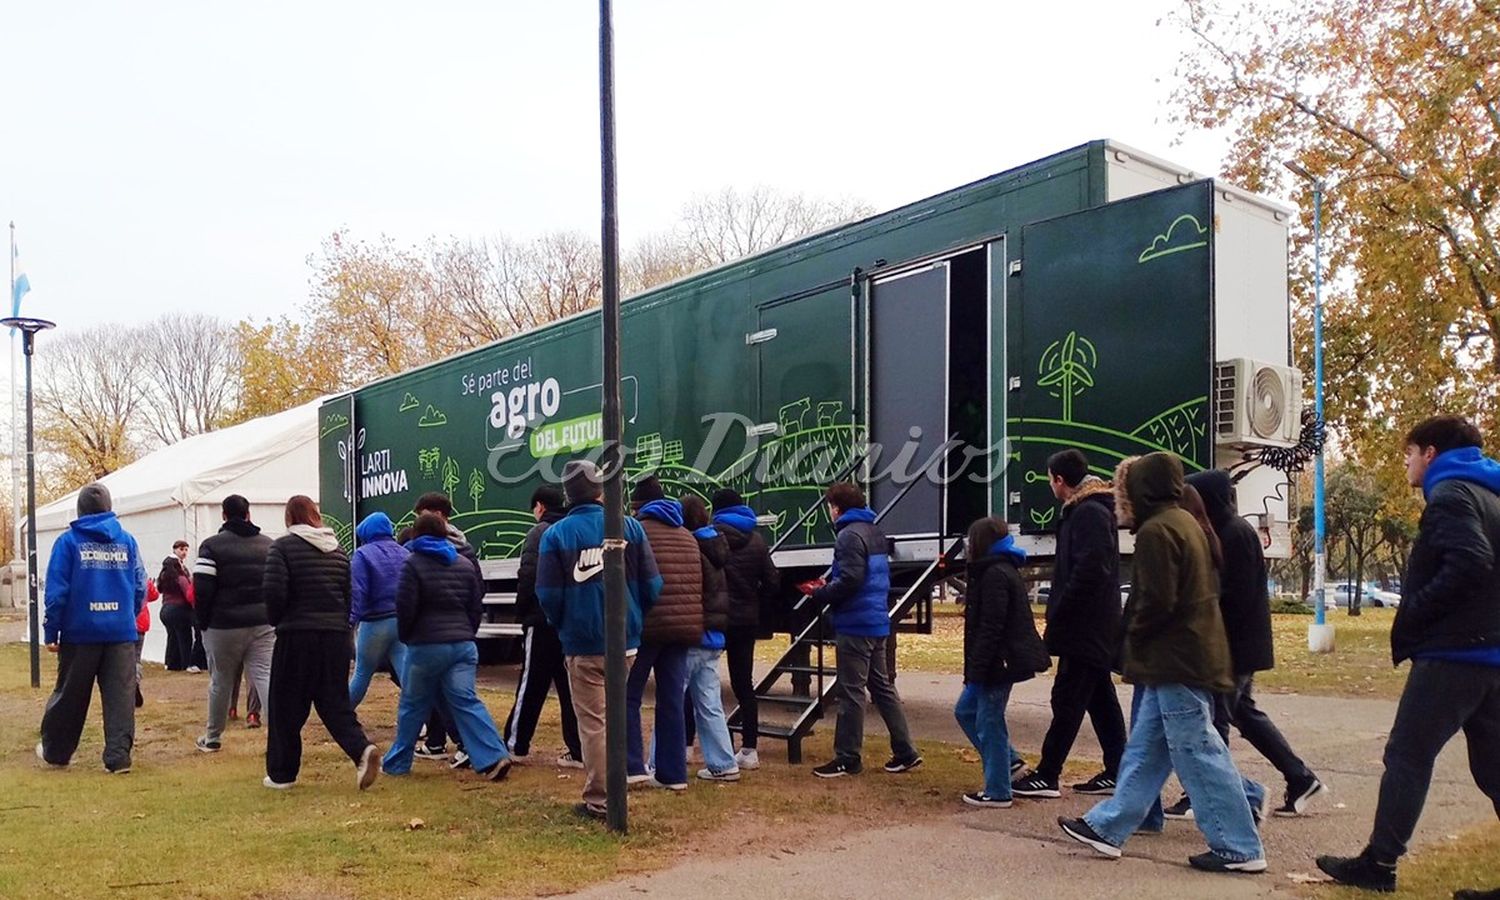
1395, 104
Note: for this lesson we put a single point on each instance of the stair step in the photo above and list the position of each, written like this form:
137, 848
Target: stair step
786, 700
806, 670
770, 731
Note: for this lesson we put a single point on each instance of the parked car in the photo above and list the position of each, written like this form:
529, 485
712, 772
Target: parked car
1041, 594
1376, 597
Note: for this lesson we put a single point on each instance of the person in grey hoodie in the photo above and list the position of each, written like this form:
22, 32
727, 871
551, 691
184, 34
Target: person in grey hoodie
306, 587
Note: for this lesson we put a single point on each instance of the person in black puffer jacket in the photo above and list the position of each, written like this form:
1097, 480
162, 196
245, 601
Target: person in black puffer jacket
1245, 602
753, 583
543, 664
306, 589
1083, 628
1001, 648
439, 604
705, 698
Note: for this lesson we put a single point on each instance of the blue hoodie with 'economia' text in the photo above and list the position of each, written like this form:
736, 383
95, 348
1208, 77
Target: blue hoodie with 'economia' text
96, 583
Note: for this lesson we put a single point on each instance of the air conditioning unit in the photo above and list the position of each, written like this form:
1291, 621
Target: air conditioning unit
1257, 404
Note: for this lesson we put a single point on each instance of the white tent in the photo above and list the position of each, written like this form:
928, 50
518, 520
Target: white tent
174, 493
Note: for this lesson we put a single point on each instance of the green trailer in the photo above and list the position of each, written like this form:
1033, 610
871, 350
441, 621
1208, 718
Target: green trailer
1099, 298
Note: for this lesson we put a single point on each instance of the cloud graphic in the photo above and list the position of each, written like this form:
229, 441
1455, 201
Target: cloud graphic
409, 402
432, 418
1185, 233
332, 423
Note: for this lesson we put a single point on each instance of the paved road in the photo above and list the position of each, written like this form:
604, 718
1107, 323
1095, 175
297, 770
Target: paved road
980, 853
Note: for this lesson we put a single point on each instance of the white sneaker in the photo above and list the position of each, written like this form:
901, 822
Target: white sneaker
652, 782
367, 767
194, 670
747, 759
638, 779
277, 785
711, 775
569, 761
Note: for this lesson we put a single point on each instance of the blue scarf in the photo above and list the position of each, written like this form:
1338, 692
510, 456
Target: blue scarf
706, 533
441, 548
1007, 547
1463, 464
740, 518
668, 511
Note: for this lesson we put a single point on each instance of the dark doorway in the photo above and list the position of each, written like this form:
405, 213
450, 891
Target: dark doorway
968, 388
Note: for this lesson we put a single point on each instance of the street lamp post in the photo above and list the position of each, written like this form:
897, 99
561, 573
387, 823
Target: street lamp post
29, 328
1320, 633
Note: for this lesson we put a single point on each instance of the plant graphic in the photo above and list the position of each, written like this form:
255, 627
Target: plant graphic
1043, 518
476, 487
427, 461
1066, 368
450, 475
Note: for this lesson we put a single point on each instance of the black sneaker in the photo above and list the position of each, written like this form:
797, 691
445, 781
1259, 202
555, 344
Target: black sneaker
1213, 862
499, 770
896, 765
985, 801
1360, 871
1036, 788
1101, 784
1079, 830
1476, 894
424, 751
1182, 809
460, 760
1298, 795
205, 745
838, 768
590, 811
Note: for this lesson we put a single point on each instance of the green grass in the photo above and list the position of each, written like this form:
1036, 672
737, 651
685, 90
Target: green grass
186, 823
1360, 665
1468, 860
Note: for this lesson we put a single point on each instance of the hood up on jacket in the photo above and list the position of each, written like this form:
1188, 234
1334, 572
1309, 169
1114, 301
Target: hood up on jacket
1464, 464
373, 527
321, 538
1217, 493
1153, 484
668, 511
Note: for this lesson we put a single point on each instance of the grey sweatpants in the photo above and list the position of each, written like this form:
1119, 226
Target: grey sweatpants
79, 667
861, 664
230, 651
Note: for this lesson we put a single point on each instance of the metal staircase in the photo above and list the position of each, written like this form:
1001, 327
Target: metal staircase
792, 695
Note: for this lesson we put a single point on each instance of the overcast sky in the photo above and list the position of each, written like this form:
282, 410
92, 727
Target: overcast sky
189, 156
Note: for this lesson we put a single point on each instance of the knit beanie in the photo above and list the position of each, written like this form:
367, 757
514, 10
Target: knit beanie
94, 498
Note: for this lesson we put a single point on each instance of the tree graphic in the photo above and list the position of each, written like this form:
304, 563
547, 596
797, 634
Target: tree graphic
450, 475
427, 461
1066, 368
476, 486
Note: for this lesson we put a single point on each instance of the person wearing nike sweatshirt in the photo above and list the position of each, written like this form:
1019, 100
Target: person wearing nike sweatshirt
439, 604
306, 589
1448, 625
96, 586
570, 589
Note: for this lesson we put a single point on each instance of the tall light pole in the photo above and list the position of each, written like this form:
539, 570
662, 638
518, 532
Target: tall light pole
614, 495
29, 328
1320, 633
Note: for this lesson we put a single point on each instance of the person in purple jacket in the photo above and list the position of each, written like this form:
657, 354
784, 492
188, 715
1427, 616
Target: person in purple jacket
376, 570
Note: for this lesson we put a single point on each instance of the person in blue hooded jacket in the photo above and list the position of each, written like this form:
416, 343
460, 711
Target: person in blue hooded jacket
375, 572
1448, 625
96, 585
1001, 648
857, 594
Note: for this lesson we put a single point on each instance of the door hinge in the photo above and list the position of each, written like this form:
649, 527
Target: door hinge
763, 428
1014, 268
760, 337
1013, 383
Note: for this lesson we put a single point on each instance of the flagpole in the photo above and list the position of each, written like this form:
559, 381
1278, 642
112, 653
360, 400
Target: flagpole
15, 416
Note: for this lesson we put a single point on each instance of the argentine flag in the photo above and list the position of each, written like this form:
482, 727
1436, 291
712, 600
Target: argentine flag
20, 285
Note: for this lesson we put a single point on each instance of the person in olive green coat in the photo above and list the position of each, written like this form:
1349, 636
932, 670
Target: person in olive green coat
1177, 656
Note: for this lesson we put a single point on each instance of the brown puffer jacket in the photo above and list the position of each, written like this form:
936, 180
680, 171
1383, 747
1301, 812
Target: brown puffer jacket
677, 617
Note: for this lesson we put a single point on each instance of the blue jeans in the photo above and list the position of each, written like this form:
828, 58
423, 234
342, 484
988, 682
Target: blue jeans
1173, 729
670, 733
708, 709
375, 644
981, 714
447, 670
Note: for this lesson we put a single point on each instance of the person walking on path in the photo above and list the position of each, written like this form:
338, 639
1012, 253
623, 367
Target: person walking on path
570, 589
1244, 600
673, 626
705, 697
542, 665
857, 594
306, 589
1448, 625
229, 608
374, 572
1083, 626
175, 586
440, 724
753, 581
439, 604
1177, 656
1001, 648
96, 586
